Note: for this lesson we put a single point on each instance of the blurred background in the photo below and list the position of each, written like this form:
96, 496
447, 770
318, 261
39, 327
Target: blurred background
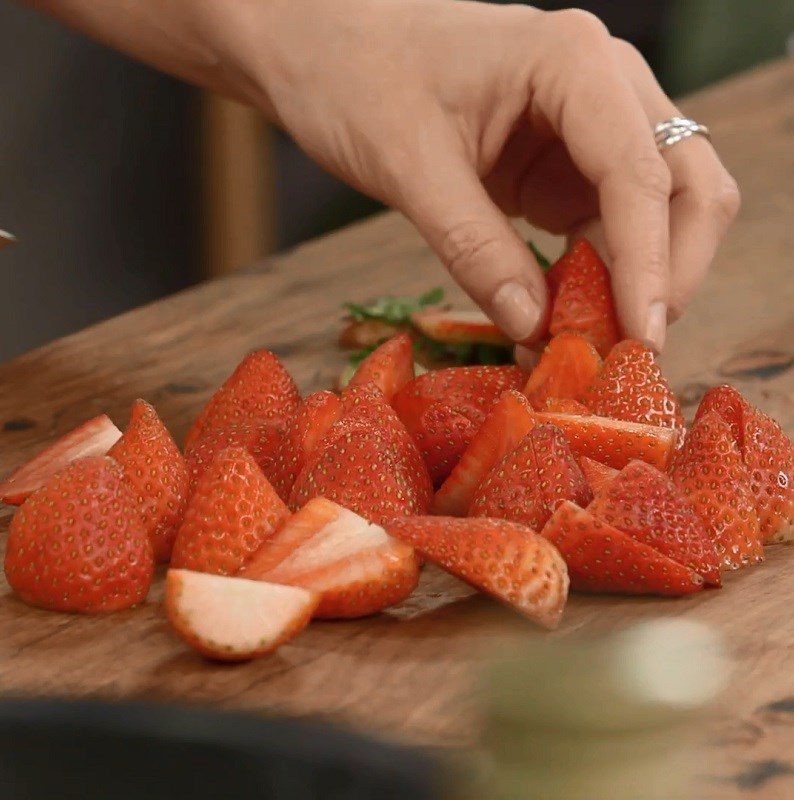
124, 185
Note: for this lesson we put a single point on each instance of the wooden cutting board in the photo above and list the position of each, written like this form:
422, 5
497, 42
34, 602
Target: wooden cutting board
409, 673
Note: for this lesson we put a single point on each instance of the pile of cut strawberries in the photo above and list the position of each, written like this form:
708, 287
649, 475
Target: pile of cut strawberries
282, 509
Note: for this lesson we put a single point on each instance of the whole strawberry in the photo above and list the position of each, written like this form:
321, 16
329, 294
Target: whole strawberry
79, 544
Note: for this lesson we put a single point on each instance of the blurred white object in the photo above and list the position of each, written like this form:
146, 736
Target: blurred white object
6, 238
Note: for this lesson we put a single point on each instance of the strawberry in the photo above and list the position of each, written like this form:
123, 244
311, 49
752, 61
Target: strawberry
566, 369
582, 302
597, 475
232, 511
509, 421
441, 435
233, 619
259, 389
614, 442
156, 472
645, 504
503, 559
364, 333
631, 387
304, 432
564, 405
355, 566
458, 327
92, 438
601, 558
389, 366
358, 466
79, 544
710, 471
531, 481
768, 455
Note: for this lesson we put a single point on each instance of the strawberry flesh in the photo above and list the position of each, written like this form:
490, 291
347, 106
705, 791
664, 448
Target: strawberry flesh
459, 327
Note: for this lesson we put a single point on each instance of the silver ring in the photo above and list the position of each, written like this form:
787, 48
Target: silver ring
676, 129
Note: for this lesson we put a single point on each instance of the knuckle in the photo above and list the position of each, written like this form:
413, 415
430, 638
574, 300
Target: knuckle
728, 200
466, 246
627, 50
579, 26
651, 175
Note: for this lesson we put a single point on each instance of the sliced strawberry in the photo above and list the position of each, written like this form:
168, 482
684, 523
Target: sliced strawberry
615, 442
768, 455
631, 387
157, 474
597, 475
233, 619
389, 366
601, 558
529, 483
459, 327
232, 511
566, 369
564, 405
582, 302
503, 559
92, 438
356, 567
79, 544
304, 432
259, 389
710, 471
441, 435
645, 504
509, 421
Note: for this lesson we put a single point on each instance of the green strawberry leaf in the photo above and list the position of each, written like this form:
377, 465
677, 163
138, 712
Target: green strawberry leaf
543, 262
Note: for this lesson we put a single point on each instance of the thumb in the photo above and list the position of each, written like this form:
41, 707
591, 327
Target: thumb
478, 245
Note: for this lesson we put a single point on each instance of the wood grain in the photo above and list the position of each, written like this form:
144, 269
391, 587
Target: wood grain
409, 673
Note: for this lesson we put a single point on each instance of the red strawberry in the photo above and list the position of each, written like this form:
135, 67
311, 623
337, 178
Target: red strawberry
356, 567
232, 511
601, 558
597, 475
459, 327
631, 387
645, 504
78, 543
389, 366
582, 302
504, 559
566, 369
614, 442
768, 455
469, 391
232, 619
441, 435
92, 438
709, 470
156, 472
509, 421
259, 389
531, 481
304, 432
564, 405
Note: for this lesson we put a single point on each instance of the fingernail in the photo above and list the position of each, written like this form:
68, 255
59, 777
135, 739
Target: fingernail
515, 312
525, 358
656, 326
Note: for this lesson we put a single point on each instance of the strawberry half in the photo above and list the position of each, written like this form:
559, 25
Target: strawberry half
601, 558
709, 470
232, 511
233, 619
566, 370
631, 387
615, 442
768, 455
503, 559
156, 472
389, 366
509, 421
564, 405
92, 438
645, 504
304, 432
78, 543
597, 475
459, 327
582, 302
259, 389
355, 566
531, 481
